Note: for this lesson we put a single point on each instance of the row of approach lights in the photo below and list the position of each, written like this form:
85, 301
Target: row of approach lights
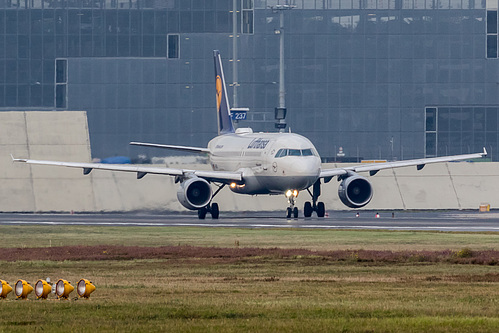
43, 288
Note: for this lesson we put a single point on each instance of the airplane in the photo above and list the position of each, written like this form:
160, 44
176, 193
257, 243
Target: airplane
259, 163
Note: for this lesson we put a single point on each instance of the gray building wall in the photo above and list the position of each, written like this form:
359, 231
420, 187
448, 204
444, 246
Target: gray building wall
359, 74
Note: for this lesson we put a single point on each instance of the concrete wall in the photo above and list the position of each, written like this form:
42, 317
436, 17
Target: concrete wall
64, 136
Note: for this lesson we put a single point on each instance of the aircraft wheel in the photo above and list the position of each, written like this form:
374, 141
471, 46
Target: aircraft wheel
288, 212
321, 209
202, 213
295, 212
307, 209
214, 211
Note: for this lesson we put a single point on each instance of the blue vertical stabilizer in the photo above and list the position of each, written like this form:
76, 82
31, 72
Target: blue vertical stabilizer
223, 110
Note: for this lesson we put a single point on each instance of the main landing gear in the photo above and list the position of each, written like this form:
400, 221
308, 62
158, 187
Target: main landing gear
315, 206
211, 208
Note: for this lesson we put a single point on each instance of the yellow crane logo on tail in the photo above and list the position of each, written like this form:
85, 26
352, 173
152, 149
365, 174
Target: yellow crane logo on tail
219, 91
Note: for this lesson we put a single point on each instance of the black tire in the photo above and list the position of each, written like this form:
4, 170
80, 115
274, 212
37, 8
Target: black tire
288, 212
307, 209
215, 212
202, 213
321, 209
295, 212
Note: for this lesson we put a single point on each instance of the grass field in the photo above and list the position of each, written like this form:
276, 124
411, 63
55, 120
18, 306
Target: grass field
215, 282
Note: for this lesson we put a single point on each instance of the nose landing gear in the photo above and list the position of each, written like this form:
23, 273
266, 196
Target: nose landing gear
292, 210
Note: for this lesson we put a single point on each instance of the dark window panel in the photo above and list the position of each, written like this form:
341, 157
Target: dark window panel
48, 71
443, 119
491, 46
431, 119
173, 46
61, 71
23, 22
431, 144
492, 21
247, 22
479, 119
209, 21
60, 96
98, 24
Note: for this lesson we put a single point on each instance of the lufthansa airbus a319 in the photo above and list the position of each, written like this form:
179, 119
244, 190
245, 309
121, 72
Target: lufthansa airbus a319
259, 163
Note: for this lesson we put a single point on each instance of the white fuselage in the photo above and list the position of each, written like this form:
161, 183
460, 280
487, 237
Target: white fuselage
296, 167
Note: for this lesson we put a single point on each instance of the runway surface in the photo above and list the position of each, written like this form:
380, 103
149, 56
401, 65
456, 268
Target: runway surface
401, 220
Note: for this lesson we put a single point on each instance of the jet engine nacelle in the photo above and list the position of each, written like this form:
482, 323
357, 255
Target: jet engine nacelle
194, 193
355, 191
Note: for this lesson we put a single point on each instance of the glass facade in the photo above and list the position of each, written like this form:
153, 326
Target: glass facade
360, 74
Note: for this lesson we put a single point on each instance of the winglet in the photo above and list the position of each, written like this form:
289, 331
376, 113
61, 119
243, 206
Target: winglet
484, 152
17, 159
223, 109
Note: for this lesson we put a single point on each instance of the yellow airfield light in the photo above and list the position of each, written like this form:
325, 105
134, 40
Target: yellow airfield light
22, 289
84, 288
6, 288
42, 289
63, 288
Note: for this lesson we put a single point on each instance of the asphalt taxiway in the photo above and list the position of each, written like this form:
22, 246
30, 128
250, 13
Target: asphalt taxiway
400, 220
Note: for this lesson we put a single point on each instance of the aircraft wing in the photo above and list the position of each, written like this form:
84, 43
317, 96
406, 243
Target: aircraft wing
419, 163
183, 148
215, 176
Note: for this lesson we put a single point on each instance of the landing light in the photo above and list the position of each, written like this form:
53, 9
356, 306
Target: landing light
42, 289
5, 289
84, 288
290, 193
63, 288
22, 289
232, 185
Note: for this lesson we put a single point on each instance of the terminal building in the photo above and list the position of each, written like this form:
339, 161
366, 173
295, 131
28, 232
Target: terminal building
383, 79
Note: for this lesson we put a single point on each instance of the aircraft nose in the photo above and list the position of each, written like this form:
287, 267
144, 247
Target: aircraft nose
305, 166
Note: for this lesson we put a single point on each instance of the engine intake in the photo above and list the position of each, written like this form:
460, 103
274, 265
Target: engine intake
355, 191
194, 193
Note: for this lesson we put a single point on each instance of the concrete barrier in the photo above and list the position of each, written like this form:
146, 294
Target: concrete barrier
64, 136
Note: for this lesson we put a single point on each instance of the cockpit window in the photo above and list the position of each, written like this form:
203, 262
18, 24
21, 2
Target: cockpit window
307, 152
294, 152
